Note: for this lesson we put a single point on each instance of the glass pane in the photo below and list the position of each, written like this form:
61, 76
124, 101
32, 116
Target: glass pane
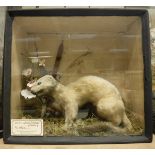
95, 70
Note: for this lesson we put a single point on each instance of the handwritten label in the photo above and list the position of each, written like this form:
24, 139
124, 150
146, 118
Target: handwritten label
27, 127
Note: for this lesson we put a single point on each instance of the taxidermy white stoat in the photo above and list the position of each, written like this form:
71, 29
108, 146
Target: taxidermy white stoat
103, 95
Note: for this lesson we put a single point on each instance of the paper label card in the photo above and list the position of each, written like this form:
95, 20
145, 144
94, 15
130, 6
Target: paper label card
26, 127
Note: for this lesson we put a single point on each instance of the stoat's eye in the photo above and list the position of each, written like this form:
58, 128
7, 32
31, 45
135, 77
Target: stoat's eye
38, 83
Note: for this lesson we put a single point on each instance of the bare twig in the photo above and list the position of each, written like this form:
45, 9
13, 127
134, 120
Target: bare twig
72, 64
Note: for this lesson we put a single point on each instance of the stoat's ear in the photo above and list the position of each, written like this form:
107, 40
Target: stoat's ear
53, 81
50, 80
58, 77
49, 77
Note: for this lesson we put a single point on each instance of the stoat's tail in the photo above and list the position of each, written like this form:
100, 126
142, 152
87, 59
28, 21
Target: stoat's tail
102, 127
109, 127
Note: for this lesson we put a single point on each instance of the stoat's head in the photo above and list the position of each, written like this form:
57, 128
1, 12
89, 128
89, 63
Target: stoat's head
43, 85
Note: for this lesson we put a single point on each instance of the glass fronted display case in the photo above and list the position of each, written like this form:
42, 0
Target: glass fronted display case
77, 76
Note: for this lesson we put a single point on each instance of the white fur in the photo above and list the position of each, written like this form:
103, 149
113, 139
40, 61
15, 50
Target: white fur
68, 99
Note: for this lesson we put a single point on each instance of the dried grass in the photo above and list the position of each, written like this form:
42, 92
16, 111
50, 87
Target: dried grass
55, 127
